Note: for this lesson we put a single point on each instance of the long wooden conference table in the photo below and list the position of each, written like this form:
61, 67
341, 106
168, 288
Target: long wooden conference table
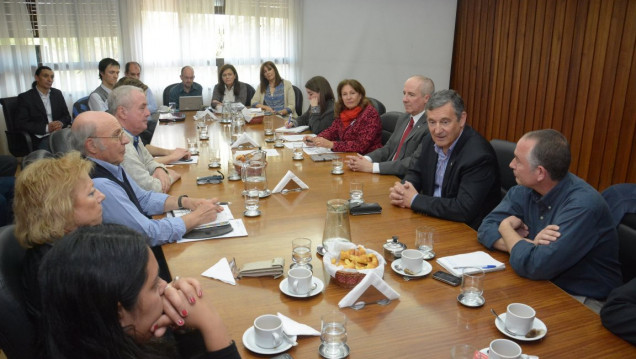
427, 320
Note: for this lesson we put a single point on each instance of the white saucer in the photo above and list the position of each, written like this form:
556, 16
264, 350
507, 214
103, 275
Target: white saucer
486, 351
426, 269
537, 324
284, 287
249, 343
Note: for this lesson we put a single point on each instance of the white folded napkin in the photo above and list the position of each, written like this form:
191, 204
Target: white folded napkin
289, 176
244, 138
221, 271
292, 327
371, 279
250, 113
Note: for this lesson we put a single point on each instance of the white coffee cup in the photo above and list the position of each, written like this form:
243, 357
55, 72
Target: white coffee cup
412, 259
268, 331
519, 318
504, 349
299, 280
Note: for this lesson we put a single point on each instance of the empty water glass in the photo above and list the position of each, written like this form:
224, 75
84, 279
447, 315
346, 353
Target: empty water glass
268, 125
424, 240
472, 286
301, 253
251, 203
278, 139
193, 145
333, 335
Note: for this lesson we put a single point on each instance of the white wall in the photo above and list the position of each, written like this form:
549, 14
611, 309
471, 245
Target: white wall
378, 42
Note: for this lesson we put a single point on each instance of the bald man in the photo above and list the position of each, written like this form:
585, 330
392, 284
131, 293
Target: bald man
187, 87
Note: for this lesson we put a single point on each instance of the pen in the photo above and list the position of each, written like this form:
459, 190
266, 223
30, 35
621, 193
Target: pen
490, 266
224, 203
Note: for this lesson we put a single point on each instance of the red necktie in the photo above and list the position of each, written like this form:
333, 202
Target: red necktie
404, 136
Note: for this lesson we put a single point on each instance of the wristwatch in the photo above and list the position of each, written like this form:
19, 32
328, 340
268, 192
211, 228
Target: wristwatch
179, 203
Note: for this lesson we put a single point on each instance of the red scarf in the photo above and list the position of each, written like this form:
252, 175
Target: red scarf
348, 115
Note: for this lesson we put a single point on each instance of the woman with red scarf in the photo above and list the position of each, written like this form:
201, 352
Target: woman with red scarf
357, 127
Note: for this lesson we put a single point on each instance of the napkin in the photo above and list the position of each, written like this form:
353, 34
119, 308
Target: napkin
221, 271
250, 113
371, 279
292, 327
244, 138
479, 259
289, 181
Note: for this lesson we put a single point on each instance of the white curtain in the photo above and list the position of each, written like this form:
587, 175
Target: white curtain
17, 50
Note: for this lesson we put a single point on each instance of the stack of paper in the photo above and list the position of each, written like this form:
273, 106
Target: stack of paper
456, 264
298, 129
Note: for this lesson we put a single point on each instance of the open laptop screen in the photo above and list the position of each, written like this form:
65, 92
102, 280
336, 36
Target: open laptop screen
190, 103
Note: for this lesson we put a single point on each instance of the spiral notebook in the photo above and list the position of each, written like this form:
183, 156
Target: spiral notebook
480, 259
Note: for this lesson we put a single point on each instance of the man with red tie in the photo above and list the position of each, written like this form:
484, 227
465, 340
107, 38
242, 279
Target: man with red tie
455, 175
394, 157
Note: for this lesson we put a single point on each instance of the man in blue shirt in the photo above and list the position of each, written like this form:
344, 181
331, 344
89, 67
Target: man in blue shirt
554, 225
100, 137
187, 87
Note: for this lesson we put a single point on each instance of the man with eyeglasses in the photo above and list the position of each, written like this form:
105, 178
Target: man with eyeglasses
187, 87
100, 137
455, 176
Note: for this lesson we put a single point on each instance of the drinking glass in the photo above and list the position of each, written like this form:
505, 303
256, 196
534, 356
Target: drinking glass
173, 107
268, 125
278, 139
193, 145
333, 335
356, 193
251, 203
214, 155
424, 240
298, 150
472, 286
463, 351
301, 253
336, 166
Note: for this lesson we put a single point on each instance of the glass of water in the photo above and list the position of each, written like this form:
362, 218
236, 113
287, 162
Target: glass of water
424, 240
301, 253
251, 203
472, 286
337, 166
333, 335
193, 145
356, 193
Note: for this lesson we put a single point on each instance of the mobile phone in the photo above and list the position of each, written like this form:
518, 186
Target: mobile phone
447, 278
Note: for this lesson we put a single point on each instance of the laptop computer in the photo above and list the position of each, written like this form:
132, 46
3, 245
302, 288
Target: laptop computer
190, 103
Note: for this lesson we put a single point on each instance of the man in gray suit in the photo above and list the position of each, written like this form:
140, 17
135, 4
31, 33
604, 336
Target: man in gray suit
394, 157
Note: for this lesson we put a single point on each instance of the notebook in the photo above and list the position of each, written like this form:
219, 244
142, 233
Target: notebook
455, 264
190, 103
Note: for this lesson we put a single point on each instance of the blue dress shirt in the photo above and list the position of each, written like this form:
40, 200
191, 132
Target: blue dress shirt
117, 208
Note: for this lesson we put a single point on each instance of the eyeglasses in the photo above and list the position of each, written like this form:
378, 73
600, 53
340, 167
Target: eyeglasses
211, 179
119, 136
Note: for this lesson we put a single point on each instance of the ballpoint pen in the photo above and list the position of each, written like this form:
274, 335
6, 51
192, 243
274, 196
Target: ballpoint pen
490, 266
224, 203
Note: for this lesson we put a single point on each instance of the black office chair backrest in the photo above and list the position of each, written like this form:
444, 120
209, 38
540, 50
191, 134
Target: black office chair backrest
166, 93
505, 151
19, 142
389, 120
17, 332
299, 100
378, 105
627, 246
60, 141
80, 106
250, 94
34, 156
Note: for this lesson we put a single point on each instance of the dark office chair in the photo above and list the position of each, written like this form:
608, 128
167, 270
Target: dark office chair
17, 332
19, 142
299, 100
627, 246
80, 106
505, 151
389, 120
166, 93
378, 105
250, 94
60, 141
34, 156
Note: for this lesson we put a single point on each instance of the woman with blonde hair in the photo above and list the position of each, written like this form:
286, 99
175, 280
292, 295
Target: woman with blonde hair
53, 197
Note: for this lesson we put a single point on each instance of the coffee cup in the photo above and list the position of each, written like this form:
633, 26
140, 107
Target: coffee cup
299, 280
268, 331
519, 318
412, 260
504, 349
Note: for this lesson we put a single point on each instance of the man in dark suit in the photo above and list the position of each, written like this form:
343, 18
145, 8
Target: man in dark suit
455, 176
394, 157
42, 110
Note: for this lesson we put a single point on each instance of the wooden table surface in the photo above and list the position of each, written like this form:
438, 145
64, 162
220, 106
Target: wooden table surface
425, 322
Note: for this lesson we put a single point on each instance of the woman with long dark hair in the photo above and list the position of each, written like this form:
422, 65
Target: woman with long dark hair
102, 298
274, 94
319, 116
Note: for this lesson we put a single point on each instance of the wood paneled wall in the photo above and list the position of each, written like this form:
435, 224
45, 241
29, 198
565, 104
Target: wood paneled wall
523, 65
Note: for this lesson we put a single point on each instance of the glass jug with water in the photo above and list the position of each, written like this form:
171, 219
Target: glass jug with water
336, 224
